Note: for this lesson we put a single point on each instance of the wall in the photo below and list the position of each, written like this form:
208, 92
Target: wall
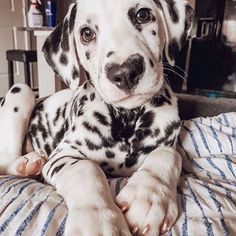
229, 27
12, 15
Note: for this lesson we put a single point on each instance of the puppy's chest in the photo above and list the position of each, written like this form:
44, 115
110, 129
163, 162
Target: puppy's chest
117, 139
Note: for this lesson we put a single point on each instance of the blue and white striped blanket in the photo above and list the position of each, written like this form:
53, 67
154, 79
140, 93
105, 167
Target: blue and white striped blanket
207, 189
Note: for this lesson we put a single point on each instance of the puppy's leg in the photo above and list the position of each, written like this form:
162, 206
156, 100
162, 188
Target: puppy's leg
15, 112
84, 187
149, 200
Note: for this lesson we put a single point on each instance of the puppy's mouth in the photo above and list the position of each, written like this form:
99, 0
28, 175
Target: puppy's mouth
129, 97
133, 100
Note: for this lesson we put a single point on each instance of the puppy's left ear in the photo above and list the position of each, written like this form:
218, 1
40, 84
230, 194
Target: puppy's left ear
177, 17
60, 50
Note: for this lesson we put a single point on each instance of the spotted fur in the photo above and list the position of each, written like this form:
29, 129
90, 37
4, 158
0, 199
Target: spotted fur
121, 122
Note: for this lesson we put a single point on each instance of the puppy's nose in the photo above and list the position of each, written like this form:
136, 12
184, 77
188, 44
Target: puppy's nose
126, 76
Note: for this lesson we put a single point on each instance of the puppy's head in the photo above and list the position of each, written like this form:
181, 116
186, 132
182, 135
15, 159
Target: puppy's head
120, 45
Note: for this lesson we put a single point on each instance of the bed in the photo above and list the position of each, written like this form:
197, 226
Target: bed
206, 192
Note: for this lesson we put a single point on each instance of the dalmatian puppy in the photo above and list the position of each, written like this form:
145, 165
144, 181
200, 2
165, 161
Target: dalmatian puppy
122, 121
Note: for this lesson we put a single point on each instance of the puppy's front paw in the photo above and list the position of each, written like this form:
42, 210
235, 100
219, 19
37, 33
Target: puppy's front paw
95, 221
149, 205
31, 164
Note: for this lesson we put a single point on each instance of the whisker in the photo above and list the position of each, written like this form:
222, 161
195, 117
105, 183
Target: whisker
167, 79
179, 68
180, 76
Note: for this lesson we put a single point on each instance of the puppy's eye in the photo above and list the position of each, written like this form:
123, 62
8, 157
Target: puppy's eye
143, 15
87, 34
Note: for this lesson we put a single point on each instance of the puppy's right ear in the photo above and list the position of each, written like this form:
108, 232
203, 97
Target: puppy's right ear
60, 50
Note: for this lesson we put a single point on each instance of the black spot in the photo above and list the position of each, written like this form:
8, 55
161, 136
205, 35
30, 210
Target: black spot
160, 100
96, 27
92, 128
88, 77
63, 59
58, 113
173, 11
108, 142
133, 19
47, 149
122, 123
121, 165
110, 53
156, 132
136, 144
73, 128
2, 102
173, 49
87, 54
64, 111
73, 147
54, 162
154, 32
85, 86
72, 18
142, 133
66, 125
92, 96
80, 112
131, 160
170, 142
33, 130
147, 119
57, 169
15, 90
75, 74
110, 154
151, 62
40, 107
82, 100
38, 143
43, 130
48, 124
16, 109
78, 143
124, 148
92, 146
65, 36
101, 118
59, 136
171, 128
148, 149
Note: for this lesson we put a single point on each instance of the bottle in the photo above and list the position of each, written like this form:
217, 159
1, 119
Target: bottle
51, 13
34, 15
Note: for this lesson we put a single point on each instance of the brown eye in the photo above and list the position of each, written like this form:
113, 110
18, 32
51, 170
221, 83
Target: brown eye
87, 34
143, 15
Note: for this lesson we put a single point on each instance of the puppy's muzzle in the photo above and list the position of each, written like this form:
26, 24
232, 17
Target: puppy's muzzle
127, 75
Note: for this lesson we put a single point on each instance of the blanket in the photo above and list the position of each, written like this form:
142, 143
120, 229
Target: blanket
206, 191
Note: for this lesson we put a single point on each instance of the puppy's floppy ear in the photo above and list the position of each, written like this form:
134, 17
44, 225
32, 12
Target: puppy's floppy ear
60, 50
177, 16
